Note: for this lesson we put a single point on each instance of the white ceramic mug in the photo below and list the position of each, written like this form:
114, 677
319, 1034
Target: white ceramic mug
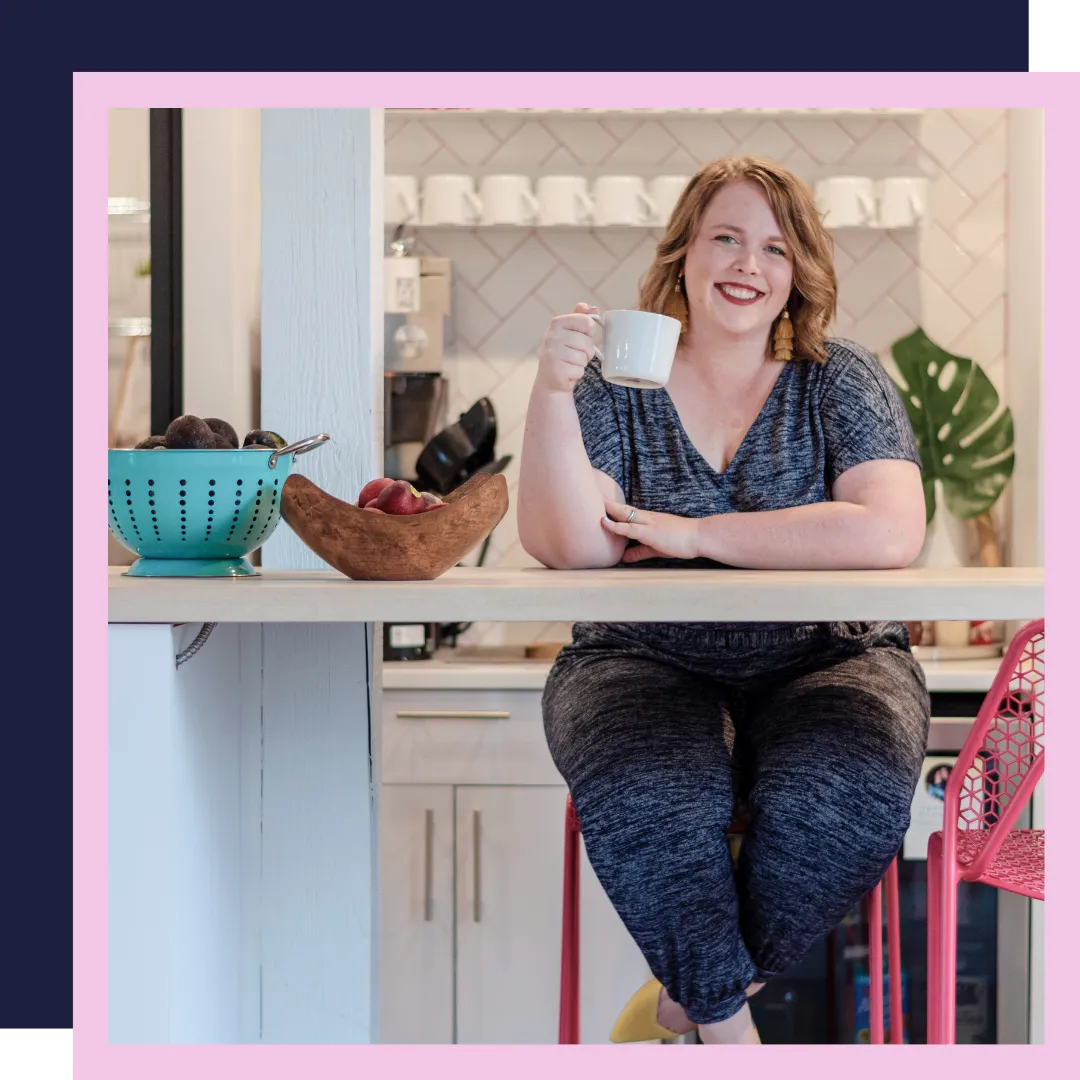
508, 200
639, 347
450, 200
665, 192
401, 199
846, 201
622, 200
564, 200
902, 201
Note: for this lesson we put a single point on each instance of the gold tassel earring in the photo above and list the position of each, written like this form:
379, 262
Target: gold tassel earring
676, 305
784, 337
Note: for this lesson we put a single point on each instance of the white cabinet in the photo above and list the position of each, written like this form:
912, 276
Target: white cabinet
509, 888
416, 969
487, 971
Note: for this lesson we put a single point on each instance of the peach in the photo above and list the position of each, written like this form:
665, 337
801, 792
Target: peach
431, 502
400, 498
373, 489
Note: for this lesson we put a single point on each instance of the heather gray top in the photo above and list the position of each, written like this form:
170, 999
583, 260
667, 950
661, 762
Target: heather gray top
818, 421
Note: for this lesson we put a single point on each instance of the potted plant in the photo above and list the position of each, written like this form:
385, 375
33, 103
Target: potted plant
965, 440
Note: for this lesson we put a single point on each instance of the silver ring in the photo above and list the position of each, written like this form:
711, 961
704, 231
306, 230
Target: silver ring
630, 517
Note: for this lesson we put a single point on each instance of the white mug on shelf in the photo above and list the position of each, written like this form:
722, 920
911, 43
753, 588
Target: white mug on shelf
450, 199
564, 200
665, 192
846, 201
639, 347
622, 200
401, 199
902, 201
508, 200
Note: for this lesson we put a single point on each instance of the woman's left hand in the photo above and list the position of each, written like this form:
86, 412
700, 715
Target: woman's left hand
658, 535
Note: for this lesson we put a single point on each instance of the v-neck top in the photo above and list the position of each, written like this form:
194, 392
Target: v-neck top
819, 420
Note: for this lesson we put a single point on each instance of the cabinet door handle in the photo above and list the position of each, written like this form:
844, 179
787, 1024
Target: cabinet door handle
476, 865
450, 714
429, 836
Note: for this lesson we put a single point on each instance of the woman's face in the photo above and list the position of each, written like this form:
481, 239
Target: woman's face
738, 268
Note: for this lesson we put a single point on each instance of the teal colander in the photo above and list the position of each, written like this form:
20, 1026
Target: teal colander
197, 513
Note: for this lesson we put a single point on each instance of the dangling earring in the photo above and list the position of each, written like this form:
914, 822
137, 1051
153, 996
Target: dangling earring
676, 305
784, 337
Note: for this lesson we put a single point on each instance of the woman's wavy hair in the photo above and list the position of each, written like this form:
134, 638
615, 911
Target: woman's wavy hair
812, 303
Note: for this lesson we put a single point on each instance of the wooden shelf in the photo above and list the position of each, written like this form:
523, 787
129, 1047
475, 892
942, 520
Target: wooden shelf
390, 226
645, 114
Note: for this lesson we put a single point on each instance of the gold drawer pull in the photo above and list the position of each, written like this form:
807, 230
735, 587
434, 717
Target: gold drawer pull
429, 835
450, 714
476, 865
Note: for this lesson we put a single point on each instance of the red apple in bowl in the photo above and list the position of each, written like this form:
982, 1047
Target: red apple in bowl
373, 489
400, 498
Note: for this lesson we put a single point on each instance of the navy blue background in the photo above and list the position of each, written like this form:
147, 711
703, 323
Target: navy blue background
598, 35
35, 752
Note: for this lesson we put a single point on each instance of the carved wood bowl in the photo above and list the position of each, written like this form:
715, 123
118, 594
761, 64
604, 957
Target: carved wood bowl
394, 547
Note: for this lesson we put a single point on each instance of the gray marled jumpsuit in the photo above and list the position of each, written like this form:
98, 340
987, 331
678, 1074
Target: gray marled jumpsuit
661, 730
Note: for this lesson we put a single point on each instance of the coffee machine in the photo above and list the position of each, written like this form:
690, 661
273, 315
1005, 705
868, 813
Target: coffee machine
416, 445
449, 458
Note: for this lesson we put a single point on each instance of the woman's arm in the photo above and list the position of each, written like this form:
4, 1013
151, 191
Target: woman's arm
561, 496
876, 521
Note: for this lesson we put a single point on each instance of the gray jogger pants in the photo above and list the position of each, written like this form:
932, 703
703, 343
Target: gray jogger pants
821, 740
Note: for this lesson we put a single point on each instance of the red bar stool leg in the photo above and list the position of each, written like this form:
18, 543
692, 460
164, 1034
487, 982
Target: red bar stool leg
877, 989
896, 979
570, 979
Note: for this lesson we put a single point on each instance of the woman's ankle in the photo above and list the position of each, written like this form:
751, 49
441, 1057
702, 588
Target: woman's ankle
670, 1014
734, 1030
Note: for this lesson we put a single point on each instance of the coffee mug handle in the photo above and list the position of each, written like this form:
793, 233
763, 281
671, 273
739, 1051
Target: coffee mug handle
916, 202
586, 204
474, 204
869, 209
650, 207
532, 206
597, 318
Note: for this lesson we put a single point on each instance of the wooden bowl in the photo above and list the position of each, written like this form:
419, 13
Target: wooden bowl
394, 547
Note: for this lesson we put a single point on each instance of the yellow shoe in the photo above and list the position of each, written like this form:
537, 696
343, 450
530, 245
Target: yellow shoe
637, 1022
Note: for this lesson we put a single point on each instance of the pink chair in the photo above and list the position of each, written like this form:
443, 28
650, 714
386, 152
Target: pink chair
570, 981
993, 780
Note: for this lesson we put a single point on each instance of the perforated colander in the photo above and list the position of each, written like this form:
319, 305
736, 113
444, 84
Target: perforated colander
197, 513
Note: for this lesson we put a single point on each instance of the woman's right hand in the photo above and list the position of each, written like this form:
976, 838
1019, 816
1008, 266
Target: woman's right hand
566, 348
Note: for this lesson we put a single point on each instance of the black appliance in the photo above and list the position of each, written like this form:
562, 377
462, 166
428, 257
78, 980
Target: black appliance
451, 457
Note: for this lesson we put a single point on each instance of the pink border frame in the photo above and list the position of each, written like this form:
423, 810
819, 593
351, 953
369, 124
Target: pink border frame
94, 94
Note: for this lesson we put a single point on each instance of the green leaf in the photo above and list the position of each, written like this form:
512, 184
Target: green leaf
952, 405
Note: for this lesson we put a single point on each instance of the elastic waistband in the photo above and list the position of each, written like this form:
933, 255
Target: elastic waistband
740, 650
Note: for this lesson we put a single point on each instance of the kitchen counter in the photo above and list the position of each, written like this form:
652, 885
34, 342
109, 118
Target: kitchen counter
613, 595
244, 785
446, 673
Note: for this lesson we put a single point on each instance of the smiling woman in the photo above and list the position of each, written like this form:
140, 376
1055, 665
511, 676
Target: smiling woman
771, 446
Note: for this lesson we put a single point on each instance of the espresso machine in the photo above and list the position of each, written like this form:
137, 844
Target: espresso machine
414, 390
416, 445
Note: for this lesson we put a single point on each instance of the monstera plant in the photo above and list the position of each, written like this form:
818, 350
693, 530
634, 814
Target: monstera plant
964, 442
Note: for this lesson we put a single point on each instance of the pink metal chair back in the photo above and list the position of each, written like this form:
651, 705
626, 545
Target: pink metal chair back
1001, 761
993, 780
